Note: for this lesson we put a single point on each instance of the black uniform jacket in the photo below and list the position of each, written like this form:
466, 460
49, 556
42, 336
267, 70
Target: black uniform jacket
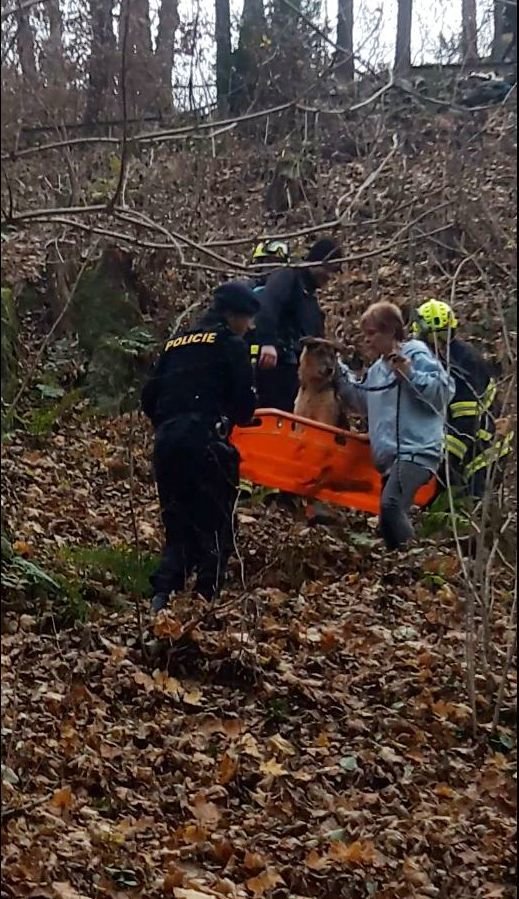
205, 370
289, 311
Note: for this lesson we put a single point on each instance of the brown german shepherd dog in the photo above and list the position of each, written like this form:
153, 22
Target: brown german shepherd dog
317, 397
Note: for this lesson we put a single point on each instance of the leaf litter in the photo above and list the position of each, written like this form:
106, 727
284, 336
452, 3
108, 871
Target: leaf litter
309, 738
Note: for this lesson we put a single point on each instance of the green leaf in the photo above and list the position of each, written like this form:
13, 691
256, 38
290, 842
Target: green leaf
335, 836
349, 763
49, 392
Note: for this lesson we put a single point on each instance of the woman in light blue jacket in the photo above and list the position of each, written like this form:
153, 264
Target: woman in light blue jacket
404, 396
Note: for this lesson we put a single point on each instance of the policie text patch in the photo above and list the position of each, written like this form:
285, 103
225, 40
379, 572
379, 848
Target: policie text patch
201, 337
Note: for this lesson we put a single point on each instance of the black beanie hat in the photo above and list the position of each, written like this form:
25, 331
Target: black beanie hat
236, 298
324, 250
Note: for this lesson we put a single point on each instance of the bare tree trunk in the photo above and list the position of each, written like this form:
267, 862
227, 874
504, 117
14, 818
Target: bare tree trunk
223, 51
164, 54
403, 37
345, 40
101, 62
245, 59
53, 51
469, 32
25, 44
141, 90
504, 44
499, 30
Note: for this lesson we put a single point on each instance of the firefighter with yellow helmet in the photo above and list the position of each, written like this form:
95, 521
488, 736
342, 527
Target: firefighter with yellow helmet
471, 442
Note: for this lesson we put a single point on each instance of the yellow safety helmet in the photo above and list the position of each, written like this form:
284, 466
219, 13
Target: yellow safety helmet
268, 248
433, 316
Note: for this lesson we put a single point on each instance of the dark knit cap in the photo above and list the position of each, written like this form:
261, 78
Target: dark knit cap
236, 298
324, 250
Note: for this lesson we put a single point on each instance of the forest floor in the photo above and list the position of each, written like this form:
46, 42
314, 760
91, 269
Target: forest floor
310, 737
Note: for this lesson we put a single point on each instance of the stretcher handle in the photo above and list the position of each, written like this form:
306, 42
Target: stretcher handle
288, 416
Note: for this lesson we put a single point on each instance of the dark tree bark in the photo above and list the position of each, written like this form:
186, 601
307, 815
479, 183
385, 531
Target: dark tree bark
53, 56
223, 51
469, 32
101, 62
504, 44
245, 59
164, 54
136, 53
25, 44
346, 71
403, 37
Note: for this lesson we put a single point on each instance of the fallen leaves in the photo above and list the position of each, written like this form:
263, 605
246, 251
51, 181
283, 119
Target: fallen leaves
62, 799
329, 748
358, 853
267, 880
227, 769
207, 813
272, 768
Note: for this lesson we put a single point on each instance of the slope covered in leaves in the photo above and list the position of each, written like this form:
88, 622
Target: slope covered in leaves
309, 738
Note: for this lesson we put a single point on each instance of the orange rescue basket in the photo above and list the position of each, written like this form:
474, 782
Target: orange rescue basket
307, 458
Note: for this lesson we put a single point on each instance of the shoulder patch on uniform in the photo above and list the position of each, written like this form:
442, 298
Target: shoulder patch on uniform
199, 337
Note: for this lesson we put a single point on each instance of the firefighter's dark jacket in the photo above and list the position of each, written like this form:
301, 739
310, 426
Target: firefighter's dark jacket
470, 423
289, 309
205, 370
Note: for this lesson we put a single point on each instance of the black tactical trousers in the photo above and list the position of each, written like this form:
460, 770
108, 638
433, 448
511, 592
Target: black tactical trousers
277, 387
197, 478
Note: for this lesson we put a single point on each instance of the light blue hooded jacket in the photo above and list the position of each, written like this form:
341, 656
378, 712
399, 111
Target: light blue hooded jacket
406, 417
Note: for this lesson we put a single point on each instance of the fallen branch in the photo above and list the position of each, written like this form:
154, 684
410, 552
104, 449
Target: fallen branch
9, 813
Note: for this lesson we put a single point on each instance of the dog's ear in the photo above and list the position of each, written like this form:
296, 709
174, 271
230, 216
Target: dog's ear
334, 345
309, 342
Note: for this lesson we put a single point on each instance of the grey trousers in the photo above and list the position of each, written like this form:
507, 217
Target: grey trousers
399, 488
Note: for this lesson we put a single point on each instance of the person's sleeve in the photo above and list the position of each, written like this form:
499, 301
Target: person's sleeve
350, 391
274, 298
243, 396
464, 414
150, 391
430, 382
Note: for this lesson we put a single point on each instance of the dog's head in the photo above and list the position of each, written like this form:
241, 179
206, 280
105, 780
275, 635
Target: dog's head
318, 363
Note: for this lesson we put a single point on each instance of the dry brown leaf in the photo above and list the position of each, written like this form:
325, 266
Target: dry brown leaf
253, 861
263, 882
279, 743
170, 685
165, 627
329, 640
181, 893
223, 850
65, 890
22, 548
193, 696
250, 746
415, 874
272, 768
174, 878
358, 853
62, 799
444, 791
316, 862
227, 769
193, 834
207, 813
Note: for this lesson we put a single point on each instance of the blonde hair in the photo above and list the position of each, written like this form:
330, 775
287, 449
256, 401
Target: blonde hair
386, 317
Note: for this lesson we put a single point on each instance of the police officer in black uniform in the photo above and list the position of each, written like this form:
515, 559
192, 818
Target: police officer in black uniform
201, 387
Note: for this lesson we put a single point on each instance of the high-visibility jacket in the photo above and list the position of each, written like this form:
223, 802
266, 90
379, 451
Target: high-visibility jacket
471, 442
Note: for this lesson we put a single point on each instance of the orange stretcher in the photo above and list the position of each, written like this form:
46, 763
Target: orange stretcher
307, 458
